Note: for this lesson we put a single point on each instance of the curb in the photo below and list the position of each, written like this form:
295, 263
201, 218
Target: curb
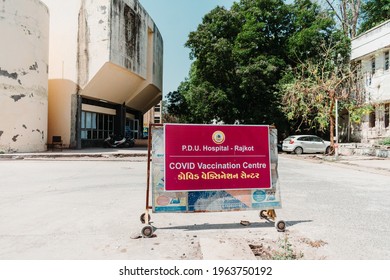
71, 155
349, 163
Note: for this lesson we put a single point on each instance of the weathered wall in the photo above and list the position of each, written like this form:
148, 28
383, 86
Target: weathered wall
120, 54
117, 31
132, 47
114, 31
93, 39
158, 54
24, 27
359, 149
367, 48
379, 88
129, 36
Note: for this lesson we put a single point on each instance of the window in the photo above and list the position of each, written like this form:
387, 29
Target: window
368, 79
96, 126
157, 119
373, 66
387, 114
316, 139
387, 60
157, 108
371, 119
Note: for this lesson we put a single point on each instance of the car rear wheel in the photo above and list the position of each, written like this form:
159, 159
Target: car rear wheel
327, 151
298, 150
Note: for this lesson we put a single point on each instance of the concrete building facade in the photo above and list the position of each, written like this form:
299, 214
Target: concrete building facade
24, 54
371, 51
102, 74
114, 78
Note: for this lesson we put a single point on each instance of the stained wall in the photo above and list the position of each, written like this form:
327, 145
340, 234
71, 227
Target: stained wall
24, 27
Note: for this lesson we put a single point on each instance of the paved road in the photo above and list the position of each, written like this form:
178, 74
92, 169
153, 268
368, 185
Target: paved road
89, 209
349, 209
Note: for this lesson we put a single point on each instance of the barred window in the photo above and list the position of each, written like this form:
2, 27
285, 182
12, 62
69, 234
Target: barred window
373, 66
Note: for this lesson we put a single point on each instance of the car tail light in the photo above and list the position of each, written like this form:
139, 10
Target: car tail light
291, 141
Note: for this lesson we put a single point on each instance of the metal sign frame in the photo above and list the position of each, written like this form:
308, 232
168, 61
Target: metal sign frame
265, 200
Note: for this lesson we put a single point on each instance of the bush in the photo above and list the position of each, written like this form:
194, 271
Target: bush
385, 142
286, 250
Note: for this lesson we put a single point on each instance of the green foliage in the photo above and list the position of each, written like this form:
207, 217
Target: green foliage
313, 28
357, 111
374, 12
385, 142
241, 55
286, 250
311, 89
177, 103
322, 71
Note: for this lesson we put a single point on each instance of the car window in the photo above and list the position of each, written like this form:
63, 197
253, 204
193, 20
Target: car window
303, 138
316, 139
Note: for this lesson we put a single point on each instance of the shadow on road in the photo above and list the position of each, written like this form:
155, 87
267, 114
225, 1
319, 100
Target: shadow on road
292, 223
207, 226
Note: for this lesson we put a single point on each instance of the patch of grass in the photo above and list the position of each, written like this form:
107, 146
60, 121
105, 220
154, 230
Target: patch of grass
282, 249
286, 250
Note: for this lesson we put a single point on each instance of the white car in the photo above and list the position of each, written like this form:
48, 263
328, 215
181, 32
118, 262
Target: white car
309, 144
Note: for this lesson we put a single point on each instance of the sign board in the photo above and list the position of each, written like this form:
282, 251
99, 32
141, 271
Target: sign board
216, 157
226, 195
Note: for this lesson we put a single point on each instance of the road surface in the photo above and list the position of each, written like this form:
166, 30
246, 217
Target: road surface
89, 209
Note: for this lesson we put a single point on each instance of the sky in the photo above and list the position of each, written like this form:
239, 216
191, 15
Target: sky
176, 19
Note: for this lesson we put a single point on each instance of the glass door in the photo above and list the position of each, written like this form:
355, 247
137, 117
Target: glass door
132, 128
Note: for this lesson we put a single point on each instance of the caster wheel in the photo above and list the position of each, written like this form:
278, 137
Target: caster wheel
280, 226
142, 218
263, 214
147, 231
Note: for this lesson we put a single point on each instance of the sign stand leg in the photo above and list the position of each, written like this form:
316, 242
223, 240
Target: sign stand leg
147, 231
271, 216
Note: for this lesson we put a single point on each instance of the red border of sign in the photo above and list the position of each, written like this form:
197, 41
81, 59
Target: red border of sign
216, 157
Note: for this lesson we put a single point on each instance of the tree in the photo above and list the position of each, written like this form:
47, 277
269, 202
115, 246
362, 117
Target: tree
239, 56
196, 100
319, 52
315, 86
260, 57
212, 78
347, 12
374, 12
166, 116
247, 59
314, 28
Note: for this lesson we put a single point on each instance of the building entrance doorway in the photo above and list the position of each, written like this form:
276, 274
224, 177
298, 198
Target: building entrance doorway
132, 128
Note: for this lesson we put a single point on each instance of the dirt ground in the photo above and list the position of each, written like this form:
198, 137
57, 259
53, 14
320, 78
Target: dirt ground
249, 239
287, 247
